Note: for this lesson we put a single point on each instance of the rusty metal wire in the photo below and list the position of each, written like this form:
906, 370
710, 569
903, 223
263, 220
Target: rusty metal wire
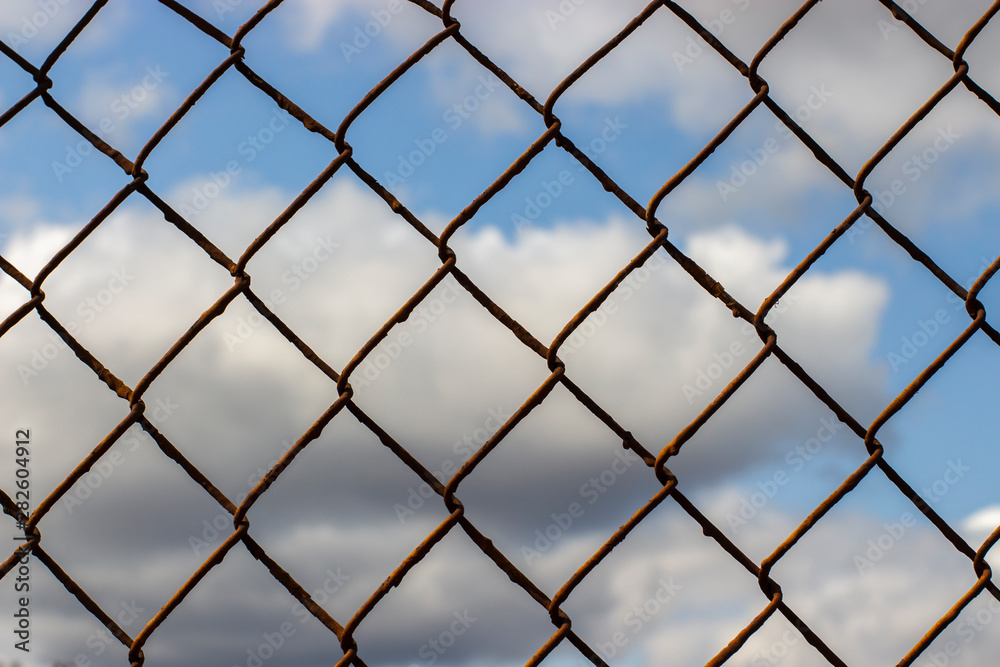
772, 604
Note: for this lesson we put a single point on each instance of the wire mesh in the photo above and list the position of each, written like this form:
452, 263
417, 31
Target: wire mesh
659, 248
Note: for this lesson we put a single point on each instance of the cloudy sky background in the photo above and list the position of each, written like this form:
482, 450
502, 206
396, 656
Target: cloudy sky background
236, 396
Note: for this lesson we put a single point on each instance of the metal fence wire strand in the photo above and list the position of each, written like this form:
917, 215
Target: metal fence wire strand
772, 603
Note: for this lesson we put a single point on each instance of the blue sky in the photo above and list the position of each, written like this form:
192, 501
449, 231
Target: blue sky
864, 321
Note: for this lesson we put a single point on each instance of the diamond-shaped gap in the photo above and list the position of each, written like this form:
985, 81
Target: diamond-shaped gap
239, 614
49, 391
778, 642
982, 51
561, 475
615, 112
60, 628
340, 269
135, 511
538, 248
231, 174
873, 575
33, 30
440, 151
437, 377
667, 593
764, 182
124, 293
936, 185
344, 515
658, 351
56, 174
785, 453
241, 408
944, 437
468, 613
861, 112
356, 51
127, 100
866, 319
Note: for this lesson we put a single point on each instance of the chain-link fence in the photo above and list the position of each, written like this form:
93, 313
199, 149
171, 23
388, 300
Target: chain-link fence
659, 248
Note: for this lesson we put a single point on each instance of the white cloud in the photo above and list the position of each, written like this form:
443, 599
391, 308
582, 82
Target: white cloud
354, 23
18, 210
236, 406
25, 20
35, 247
34, 27
372, 267
112, 101
240, 393
660, 63
983, 522
309, 21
